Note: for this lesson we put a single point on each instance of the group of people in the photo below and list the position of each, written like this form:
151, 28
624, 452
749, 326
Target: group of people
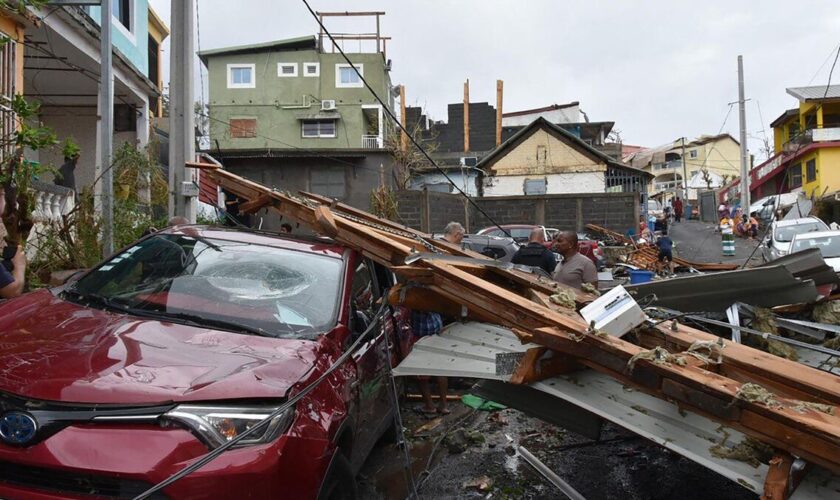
574, 270
735, 220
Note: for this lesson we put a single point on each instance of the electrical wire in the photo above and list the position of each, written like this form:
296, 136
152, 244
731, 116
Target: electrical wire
214, 454
393, 117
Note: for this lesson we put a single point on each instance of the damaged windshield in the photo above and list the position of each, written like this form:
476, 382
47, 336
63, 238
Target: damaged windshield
829, 245
229, 285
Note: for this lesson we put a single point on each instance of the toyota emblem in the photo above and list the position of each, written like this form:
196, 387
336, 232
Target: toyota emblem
17, 427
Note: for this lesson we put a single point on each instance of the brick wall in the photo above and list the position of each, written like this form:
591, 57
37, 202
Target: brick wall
429, 211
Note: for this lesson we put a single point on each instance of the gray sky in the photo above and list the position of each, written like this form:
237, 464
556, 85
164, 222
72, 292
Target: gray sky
659, 69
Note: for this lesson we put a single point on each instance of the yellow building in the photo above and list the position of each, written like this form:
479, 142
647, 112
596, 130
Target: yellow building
807, 147
12, 28
158, 32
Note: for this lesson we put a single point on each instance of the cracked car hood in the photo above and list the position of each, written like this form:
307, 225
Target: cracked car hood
55, 350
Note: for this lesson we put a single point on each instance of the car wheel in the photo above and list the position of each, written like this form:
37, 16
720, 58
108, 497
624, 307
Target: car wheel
340, 483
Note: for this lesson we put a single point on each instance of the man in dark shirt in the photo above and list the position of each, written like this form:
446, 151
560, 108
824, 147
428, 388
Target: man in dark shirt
535, 254
11, 283
666, 246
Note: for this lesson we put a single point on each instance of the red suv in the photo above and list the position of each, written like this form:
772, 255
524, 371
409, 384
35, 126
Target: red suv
178, 344
521, 232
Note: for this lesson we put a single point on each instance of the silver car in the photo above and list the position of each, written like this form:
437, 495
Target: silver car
780, 236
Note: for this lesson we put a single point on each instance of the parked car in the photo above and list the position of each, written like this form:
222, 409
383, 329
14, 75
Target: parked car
521, 233
828, 242
781, 233
498, 247
179, 343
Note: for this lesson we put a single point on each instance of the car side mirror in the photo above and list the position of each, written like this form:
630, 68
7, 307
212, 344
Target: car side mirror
360, 323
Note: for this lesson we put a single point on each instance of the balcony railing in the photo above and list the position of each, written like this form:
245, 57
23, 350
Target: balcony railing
668, 165
51, 202
371, 142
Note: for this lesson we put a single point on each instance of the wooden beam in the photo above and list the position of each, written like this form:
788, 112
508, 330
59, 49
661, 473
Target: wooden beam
403, 135
499, 89
467, 115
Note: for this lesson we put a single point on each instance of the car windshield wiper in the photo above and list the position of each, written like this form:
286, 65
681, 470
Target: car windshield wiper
202, 321
93, 298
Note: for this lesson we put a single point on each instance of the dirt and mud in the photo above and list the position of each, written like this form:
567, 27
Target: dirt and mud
471, 454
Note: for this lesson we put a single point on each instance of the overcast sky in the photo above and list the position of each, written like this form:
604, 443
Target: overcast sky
659, 69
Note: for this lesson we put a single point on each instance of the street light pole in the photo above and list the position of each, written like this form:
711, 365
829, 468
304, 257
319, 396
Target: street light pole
745, 170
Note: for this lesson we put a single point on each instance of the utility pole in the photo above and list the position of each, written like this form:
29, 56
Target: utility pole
467, 115
685, 173
106, 131
182, 189
745, 164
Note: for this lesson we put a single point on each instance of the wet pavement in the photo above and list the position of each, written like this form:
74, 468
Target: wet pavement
470, 454
700, 242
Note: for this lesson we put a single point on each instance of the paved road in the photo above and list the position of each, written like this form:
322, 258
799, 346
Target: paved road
697, 241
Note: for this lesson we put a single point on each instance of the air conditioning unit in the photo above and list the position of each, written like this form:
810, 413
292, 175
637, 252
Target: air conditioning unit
328, 105
469, 161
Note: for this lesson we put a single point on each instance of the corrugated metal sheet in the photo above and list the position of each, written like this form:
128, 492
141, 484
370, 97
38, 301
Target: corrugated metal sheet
470, 349
815, 93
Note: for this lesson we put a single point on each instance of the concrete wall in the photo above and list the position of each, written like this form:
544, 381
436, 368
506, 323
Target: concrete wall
431, 211
293, 174
278, 102
514, 185
132, 44
79, 124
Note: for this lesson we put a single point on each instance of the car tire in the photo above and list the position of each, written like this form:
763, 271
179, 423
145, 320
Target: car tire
340, 483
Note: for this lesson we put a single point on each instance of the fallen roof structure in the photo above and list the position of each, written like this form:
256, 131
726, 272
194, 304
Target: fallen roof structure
472, 350
667, 363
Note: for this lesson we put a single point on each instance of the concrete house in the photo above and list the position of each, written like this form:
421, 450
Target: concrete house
720, 155
62, 71
544, 158
291, 115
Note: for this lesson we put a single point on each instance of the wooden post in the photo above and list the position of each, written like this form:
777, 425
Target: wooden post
425, 212
499, 89
467, 115
467, 215
403, 135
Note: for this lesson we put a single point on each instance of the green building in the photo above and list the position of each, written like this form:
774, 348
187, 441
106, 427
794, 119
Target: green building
296, 117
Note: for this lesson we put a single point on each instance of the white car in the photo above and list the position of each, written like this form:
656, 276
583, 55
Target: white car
827, 241
782, 232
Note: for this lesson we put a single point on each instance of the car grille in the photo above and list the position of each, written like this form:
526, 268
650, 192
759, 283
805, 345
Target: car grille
56, 480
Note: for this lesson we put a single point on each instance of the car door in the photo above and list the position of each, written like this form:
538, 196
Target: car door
370, 358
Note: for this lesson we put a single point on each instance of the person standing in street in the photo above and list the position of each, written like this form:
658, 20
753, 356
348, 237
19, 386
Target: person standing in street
575, 270
424, 324
666, 254
535, 254
678, 209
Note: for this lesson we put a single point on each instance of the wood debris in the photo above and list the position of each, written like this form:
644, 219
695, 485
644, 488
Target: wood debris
520, 302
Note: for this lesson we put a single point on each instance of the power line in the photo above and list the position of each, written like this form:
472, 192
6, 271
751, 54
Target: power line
391, 115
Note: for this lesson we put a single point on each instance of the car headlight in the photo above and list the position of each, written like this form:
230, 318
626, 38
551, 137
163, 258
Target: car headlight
216, 425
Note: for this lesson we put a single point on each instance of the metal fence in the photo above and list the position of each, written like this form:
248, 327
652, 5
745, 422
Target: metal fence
7, 95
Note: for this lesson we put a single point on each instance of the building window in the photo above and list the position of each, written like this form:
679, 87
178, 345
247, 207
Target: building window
318, 128
121, 11
243, 128
811, 170
692, 154
327, 181
8, 64
287, 69
346, 76
793, 131
795, 176
542, 155
534, 186
241, 76
311, 69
